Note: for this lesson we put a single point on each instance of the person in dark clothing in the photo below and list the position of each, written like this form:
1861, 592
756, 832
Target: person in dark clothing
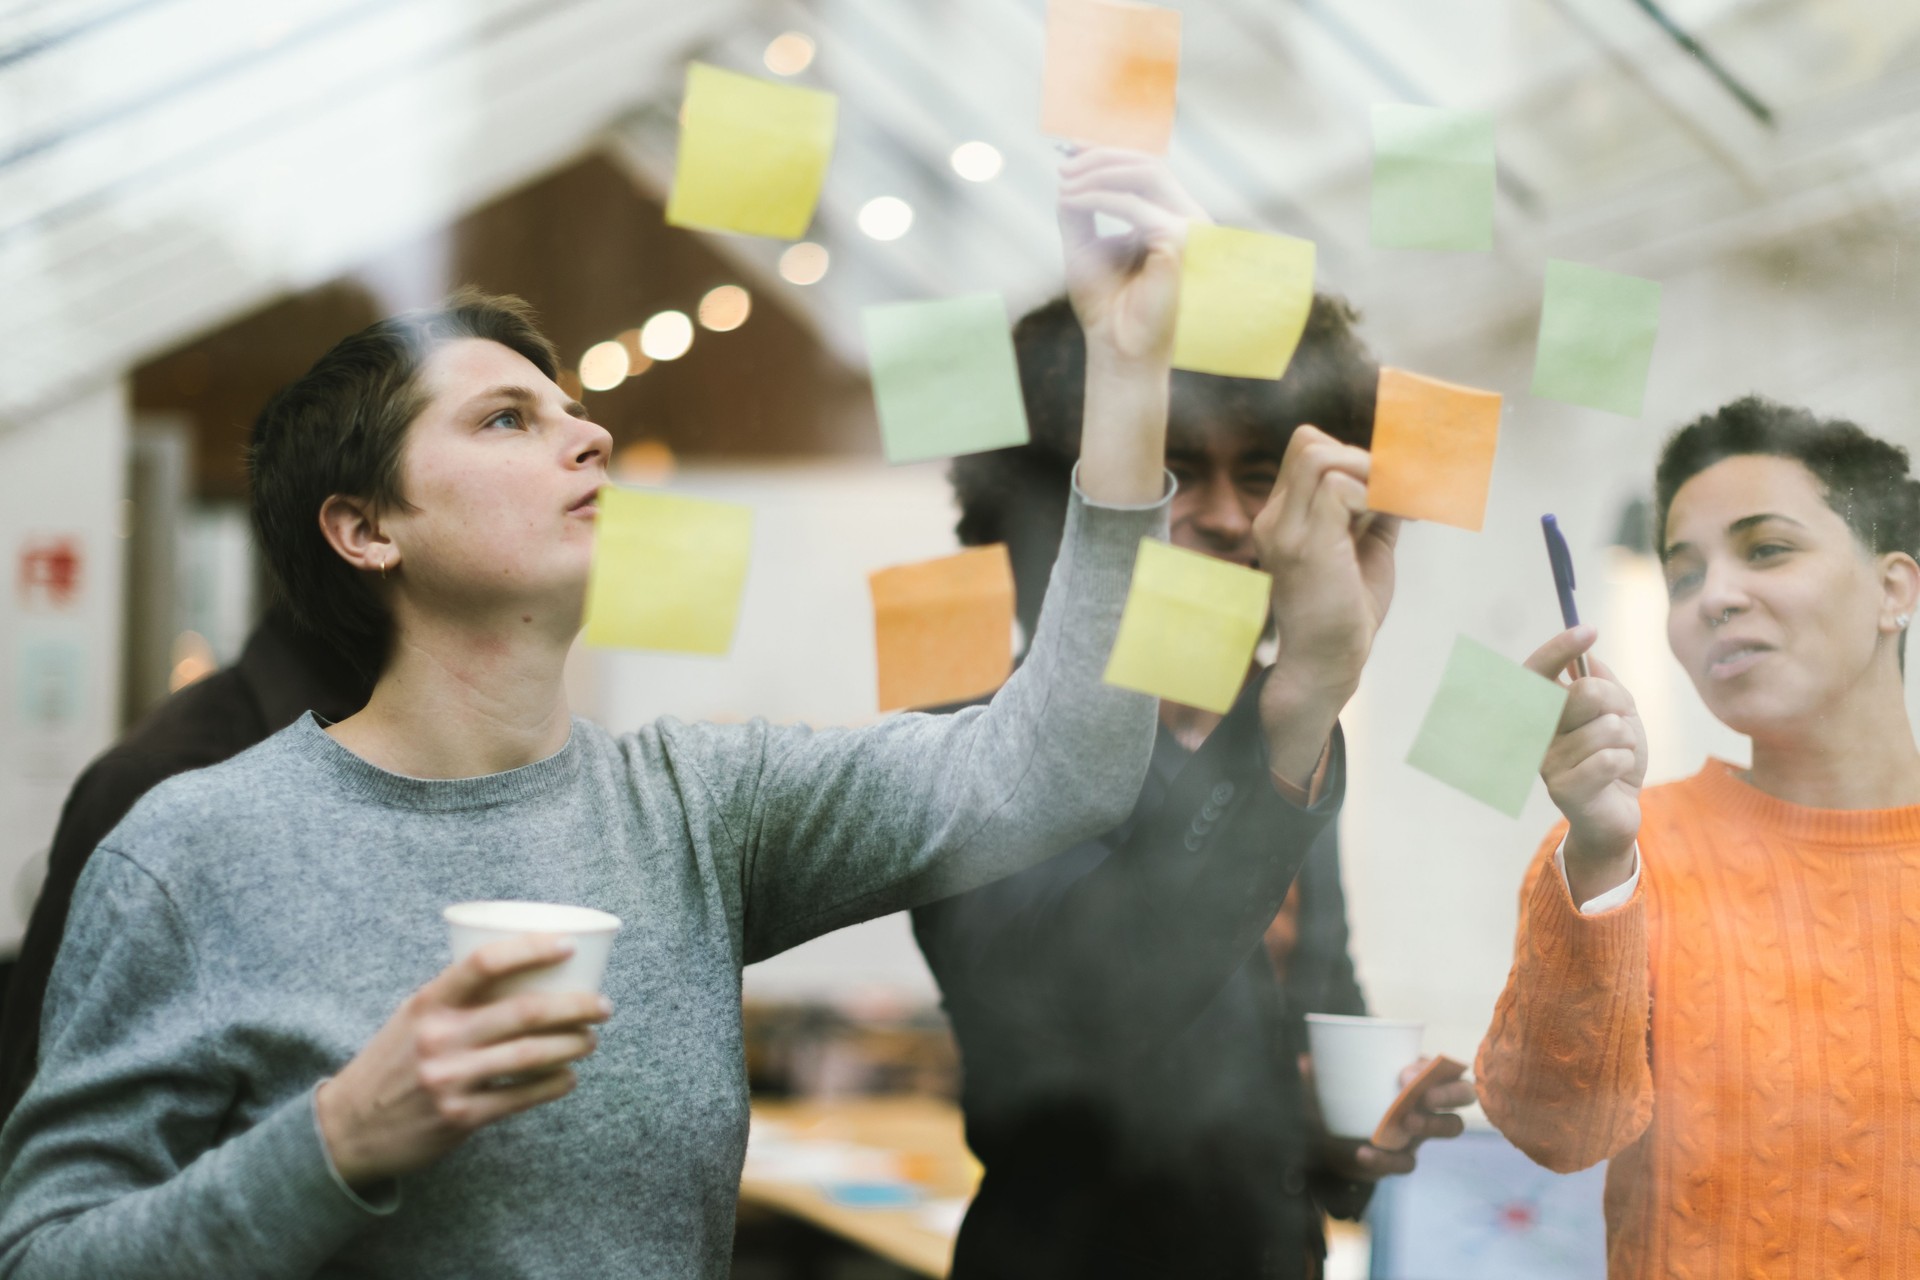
1129, 1014
283, 671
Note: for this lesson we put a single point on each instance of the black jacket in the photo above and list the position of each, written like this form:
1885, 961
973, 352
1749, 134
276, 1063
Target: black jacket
1131, 1081
282, 672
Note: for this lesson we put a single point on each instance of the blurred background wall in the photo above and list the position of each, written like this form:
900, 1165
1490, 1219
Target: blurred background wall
197, 197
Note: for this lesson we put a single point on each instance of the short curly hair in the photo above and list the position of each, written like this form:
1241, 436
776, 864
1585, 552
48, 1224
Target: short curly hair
339, 428
1864, 479
1018, 496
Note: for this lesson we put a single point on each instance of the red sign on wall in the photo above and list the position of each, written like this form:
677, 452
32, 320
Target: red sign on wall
50, 572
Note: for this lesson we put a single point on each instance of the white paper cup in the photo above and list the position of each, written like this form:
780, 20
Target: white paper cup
474, 924
1356, 1068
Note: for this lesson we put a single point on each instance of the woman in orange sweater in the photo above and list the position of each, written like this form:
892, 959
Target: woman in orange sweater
1717, 982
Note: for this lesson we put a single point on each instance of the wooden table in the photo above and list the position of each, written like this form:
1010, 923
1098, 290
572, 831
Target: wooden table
925, 1135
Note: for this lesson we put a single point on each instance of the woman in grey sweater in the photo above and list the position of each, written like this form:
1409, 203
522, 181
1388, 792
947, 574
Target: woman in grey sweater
253, 1060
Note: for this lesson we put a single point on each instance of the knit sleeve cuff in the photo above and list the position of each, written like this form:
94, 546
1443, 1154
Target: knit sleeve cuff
384, 1195
1599, 941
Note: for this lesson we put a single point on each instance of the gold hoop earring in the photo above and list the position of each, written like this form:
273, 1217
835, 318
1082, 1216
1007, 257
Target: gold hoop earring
383, 571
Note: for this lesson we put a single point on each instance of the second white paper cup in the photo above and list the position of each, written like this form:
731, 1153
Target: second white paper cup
474, 924
1356, 1068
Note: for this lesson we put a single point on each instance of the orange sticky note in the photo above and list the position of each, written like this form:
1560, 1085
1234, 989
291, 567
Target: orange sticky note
1110, 73
1433, 445
943, 629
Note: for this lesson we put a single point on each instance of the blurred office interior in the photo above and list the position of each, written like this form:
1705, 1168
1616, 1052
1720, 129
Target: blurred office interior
198, 197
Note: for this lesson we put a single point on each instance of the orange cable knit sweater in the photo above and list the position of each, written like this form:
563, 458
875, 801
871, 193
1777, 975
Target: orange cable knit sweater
1741, 1038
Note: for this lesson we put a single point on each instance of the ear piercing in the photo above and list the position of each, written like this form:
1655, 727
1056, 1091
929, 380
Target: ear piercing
1902, 621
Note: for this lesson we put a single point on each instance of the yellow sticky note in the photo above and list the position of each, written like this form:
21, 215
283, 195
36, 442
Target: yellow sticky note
668, 571
753, 155
1433, 445
1110, 74
943, 629
1189, 627
1244, 299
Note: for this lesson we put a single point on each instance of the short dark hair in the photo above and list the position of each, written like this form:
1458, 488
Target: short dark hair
339, 429
1864, 479
1018, 496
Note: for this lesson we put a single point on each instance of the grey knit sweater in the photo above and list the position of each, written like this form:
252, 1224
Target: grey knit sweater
248, 927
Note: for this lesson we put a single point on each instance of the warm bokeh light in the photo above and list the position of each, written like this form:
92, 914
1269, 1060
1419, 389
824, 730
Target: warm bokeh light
192, 660
637, 361
976, 161
886, 217
804, 263
789, 54
604, 367
726, 308
647, 462
666, 336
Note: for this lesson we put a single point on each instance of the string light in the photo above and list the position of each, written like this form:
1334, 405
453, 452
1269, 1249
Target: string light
604, 366
726, 308
666, 336
789, 54
976, 161
804, 263
886, 217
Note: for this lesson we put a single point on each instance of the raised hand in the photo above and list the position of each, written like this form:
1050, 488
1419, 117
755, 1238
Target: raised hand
1125, 290
1332, 567
1595, 767
453, 1060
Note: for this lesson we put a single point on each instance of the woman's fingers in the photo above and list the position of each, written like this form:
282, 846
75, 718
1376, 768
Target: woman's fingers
1148, 219
465, 982
1141, 177
526, 1056
530, 1012
1582, 780
1557, 654
485, 1106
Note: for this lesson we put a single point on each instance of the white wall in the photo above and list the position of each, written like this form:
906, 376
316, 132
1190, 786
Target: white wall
62, 478
803, 653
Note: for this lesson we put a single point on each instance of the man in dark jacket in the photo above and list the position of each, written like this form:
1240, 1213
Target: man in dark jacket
283, 671
1129, 1014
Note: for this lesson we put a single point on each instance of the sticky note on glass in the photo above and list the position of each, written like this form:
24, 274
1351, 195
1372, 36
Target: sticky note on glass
1433, 446
943, 629
1489, 727
1110, 73
1432, 178
1244, 299
1596, 337
668, 571
753, 155
1189, 627
944, 377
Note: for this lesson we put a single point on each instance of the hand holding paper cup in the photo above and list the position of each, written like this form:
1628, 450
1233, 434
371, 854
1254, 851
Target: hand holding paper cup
474, 924
1356, 1068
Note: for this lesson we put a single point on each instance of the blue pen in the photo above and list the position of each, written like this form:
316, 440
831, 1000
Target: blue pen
1562, 560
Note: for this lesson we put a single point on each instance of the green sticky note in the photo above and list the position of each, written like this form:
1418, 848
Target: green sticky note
753, 155
1189, 627
1489, 727
1432, 178
944, 377
668, 571
1244, 298
1596, 337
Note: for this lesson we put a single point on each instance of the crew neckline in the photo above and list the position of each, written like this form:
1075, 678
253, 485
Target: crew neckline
1721, 783
361, 777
